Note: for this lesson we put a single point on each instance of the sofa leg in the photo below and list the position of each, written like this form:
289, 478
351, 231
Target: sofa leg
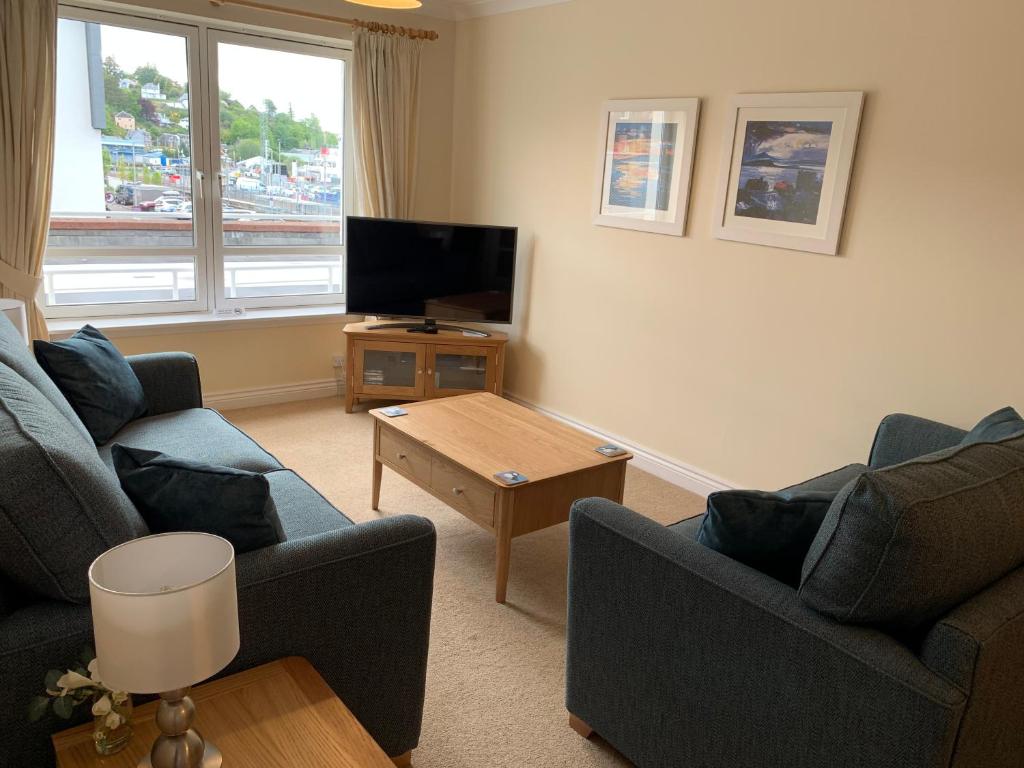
403, 761
580, 727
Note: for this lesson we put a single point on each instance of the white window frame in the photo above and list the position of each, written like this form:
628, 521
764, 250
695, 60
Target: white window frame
208, 248
219, 250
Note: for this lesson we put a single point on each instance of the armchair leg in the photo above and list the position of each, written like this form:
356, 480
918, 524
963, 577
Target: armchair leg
580, 727
403, 761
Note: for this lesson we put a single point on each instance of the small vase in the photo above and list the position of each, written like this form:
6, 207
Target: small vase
112, 740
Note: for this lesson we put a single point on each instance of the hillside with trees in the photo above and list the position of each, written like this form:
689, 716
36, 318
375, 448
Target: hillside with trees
242, 128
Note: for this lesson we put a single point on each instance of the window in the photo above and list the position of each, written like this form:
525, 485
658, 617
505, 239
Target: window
195, 169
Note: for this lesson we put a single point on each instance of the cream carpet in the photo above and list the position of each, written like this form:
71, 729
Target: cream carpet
496, 679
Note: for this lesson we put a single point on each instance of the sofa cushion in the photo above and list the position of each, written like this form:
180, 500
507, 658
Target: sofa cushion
15, 354
197, 434
96, 379
60, 507
303, 511
831, 482
688, 527
903, 545
174, 494
770, 532
1005, 422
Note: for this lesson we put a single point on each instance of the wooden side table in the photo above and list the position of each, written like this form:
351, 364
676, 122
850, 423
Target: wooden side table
280, 715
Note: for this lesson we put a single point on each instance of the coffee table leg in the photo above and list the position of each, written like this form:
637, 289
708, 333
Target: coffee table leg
378, 470
503, 555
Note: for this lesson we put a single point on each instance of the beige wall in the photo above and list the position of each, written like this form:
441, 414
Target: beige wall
270, 356
759, 365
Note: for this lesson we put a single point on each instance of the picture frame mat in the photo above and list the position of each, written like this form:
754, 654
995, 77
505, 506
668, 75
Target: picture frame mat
819, 230
684, 162
852, 102
677, 117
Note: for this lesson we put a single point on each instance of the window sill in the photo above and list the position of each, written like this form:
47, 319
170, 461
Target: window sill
197, 322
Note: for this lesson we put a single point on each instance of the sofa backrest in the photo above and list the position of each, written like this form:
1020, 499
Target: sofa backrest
17, 356
60, 506
904, 545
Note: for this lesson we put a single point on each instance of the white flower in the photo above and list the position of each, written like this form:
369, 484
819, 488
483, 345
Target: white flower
101, 706
71, 681
120, 697
114, 720
94, 671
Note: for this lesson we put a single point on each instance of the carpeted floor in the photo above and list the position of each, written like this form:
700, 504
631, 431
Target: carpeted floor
495, 684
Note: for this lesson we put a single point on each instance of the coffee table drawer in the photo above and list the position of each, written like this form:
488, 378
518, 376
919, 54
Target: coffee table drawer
404, 454
463, 491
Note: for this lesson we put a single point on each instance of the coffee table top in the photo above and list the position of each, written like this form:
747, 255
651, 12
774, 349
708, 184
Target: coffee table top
279, 714
487, 434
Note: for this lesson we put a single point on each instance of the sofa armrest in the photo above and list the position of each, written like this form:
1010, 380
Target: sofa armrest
355, 603
170, 381
901, 437
34, 639
678, 655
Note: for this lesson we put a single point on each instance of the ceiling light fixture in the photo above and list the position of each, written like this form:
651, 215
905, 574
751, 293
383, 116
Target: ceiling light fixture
394, 5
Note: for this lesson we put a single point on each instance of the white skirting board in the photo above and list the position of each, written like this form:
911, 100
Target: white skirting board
677, 473
284, 393
682, 475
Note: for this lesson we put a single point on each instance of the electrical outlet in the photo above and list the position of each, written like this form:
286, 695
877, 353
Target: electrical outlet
338, 361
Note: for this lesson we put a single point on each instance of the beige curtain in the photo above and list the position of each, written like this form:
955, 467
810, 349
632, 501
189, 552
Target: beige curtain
28, 47
386, 87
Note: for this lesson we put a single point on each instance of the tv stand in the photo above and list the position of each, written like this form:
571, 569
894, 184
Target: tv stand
386, 363
428, 326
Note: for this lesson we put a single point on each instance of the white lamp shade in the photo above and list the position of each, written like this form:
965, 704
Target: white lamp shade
15, 312
164, 611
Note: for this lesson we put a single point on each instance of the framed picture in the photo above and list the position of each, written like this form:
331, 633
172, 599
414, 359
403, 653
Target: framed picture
645, 164
786, 169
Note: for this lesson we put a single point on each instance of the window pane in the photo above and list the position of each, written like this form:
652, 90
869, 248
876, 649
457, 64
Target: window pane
281, 128
122, 165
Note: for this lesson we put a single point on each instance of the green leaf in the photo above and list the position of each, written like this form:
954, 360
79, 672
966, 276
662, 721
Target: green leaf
37, 708
87, 655
63, 707
51, 679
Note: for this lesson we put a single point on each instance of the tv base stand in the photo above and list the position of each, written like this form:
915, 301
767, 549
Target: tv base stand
428, 326
383, 362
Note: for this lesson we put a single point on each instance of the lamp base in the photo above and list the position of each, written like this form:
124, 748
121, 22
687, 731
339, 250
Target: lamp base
212, 758
179, 745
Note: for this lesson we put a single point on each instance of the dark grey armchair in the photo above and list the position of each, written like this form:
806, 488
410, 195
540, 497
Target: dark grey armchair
352, 599
680, 656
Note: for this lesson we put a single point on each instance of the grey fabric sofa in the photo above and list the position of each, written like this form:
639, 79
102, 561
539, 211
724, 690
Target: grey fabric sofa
352, 599
680, 656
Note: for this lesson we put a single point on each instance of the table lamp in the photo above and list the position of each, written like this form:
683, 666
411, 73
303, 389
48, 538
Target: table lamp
165, 617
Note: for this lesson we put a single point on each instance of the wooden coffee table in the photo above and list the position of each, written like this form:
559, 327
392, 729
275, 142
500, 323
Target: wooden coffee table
279, 715
453, 447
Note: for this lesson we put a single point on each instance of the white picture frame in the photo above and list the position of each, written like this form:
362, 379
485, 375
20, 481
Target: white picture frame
645, 164
785, 169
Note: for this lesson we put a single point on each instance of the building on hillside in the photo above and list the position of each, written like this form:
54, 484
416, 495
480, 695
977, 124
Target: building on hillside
125, 120
162, 119
123, 148
179, 103
140, 135
126, 83
171, 140
183, 123
151, 92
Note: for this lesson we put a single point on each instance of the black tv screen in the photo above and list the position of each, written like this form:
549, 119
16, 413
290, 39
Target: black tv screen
420, 269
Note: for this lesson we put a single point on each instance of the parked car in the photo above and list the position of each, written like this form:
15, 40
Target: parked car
170, 196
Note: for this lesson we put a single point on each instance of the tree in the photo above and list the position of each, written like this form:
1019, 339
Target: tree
247, 148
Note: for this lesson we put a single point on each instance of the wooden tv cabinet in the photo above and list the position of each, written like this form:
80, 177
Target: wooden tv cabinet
393, 364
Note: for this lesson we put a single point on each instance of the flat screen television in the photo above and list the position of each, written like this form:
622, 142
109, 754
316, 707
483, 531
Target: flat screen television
432, 271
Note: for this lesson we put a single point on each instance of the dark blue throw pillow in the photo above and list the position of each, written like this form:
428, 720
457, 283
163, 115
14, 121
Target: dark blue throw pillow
767, 531
996, 426
181, 495
95, 378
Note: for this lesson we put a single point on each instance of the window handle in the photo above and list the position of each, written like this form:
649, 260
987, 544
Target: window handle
199, 179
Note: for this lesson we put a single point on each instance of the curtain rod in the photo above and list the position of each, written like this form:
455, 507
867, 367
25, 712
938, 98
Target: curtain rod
373, 26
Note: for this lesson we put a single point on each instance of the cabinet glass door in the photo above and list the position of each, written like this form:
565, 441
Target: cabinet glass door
456, 370
389, 368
